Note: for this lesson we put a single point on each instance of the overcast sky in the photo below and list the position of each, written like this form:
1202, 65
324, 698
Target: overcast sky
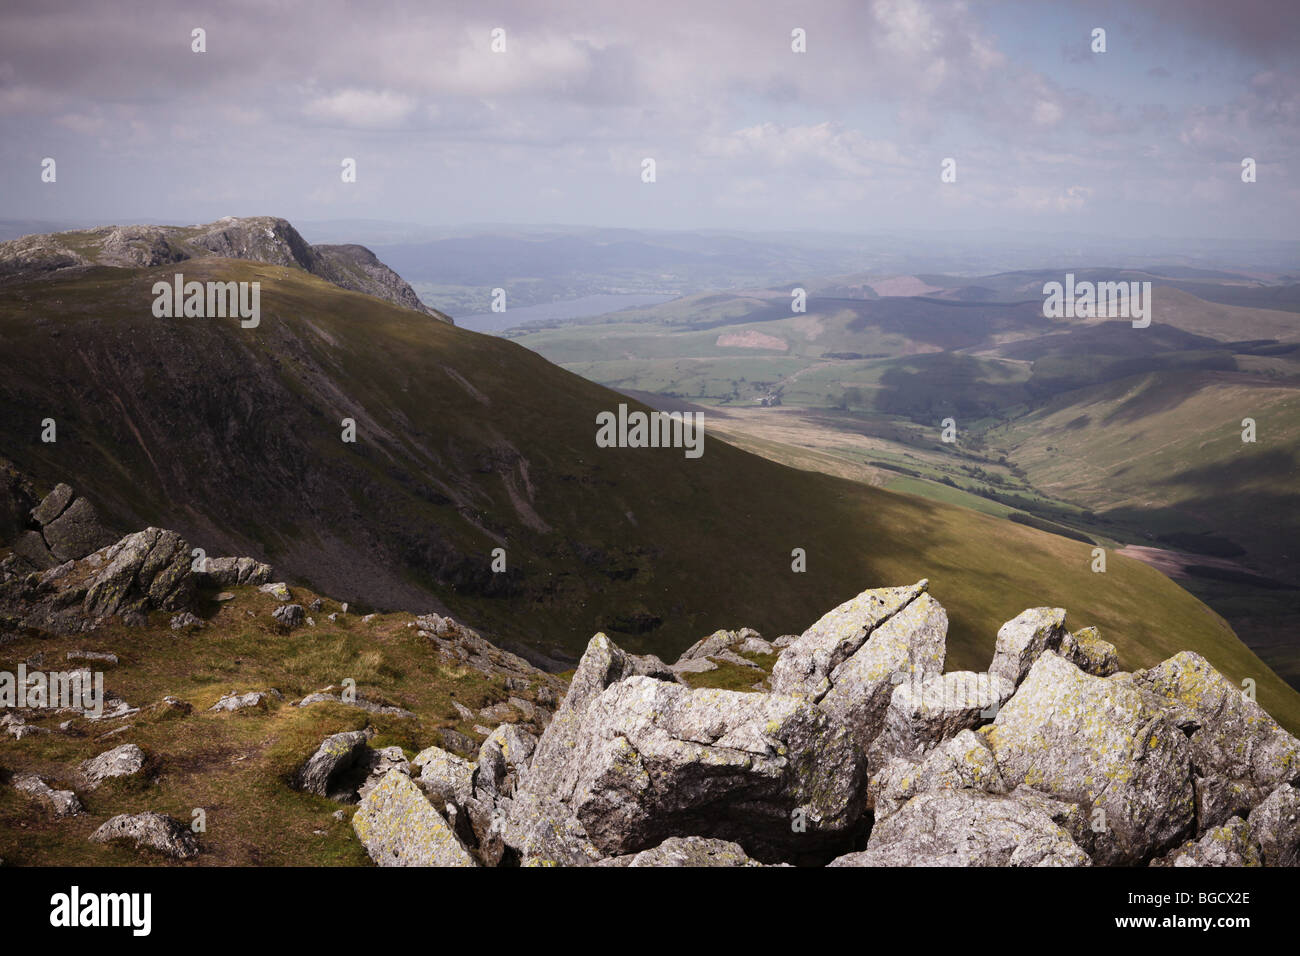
1144, 139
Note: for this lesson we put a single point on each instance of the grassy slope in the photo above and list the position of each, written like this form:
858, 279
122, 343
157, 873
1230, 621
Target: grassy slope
233, 429
236, 766
1169, 445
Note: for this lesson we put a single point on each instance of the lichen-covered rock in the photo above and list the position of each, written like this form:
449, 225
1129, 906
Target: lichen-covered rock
1024, 638
1275, 826
1228, 845
1240, 754
964, 762
445, 777
967, 828
907, 648
153, 831
686, 851
76, 532
603, 663
53, 504
338, 766
277, 589
503, 758
400, 827
1087, 651
145, 571
1104, 744
230, 572
654, 760
63, 803
124, 761
805, 666
921, 714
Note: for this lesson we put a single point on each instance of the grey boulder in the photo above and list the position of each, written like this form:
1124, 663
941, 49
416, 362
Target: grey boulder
1024, 638
1104, 744
967, 828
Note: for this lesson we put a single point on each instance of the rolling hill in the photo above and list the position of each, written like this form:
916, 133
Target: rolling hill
467, 443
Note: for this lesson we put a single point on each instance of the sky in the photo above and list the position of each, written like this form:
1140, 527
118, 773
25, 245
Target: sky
1145, 139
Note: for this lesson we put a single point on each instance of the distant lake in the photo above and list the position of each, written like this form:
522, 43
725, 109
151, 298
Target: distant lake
573, 309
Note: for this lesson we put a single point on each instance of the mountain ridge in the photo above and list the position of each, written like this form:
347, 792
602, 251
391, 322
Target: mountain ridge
265, 239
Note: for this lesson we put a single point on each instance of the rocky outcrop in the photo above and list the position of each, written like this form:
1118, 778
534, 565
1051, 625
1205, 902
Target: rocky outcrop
963, 763
1275, 826
1228, 845
1239, 753
853, 658
686, 851
1024, 638
400, 827
254, 238
1106, 745
1087, 651
338, 767
967, 828
921, 715
61, 527
231, 572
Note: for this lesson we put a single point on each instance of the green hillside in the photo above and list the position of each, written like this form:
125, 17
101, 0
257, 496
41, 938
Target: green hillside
468, 442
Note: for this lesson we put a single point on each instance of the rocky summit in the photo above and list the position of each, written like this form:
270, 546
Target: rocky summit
847, 745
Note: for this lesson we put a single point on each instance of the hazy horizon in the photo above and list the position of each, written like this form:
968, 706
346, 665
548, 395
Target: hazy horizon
1145, 139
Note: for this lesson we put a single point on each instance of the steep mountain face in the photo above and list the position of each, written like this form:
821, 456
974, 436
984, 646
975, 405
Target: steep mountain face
256, 239
465, 444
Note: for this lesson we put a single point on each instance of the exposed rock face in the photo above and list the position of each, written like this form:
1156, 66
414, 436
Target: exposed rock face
76, 532
1024, 638
967, 828
61, 528
654, 759
805, 666
1087, 651
230, 572
920, 715
327, 771
444, 776
400, 827
1240, 754
1227, 845
152, 831
907, 648
704, 655
852, 659
1105, 745
1275, 826
124, 761
255, 238
146, 570
964, 762
686, 851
